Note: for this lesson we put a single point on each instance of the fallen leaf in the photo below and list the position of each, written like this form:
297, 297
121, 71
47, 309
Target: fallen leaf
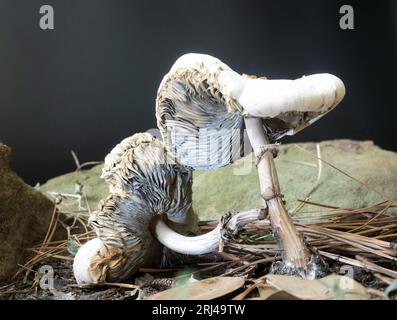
207, 289
332, 287
270, 293
282, 295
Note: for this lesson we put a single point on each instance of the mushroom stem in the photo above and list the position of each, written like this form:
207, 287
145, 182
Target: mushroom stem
295, 253
206, 243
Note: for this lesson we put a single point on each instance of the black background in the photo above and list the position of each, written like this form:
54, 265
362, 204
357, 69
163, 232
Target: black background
93, 80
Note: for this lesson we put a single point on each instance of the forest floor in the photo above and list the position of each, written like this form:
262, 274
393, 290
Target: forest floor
348, 219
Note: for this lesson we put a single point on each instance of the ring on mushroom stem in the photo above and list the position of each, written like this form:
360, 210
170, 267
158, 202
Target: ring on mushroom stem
145, 184
202, 100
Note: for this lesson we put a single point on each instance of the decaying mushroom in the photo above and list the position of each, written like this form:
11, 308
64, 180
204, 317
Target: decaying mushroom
201, 107
150, 195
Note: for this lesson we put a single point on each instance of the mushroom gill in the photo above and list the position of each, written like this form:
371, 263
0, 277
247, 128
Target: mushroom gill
143, 182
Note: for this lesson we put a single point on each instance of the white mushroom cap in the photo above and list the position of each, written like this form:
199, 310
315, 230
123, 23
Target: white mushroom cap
270, 98
82, 261
201, 103
190, 61
123, 243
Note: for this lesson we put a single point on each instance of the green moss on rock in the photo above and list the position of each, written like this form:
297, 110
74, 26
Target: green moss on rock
223, 190
219, 191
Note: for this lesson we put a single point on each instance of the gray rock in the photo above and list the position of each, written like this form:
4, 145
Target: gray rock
222, 190
219, 191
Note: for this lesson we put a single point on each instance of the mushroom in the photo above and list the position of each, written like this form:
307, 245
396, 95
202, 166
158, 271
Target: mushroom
122, 244
149, 203
201, 106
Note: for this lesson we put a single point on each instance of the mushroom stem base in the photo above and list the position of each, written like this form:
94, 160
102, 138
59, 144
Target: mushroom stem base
295, 253
315, 269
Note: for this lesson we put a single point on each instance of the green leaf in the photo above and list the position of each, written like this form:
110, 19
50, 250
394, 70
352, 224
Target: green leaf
72, 246
391, 290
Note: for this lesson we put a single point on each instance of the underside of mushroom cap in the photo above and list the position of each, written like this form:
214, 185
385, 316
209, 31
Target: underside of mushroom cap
140, 166
200, 125
121, 224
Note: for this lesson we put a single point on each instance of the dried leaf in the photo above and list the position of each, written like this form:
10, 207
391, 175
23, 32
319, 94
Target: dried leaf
207, 289
267, 292
332, 287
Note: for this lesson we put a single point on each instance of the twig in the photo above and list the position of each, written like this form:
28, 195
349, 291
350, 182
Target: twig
76, 160
265, 260
107, 284
372, 266
257, 282
357, 263
345, 173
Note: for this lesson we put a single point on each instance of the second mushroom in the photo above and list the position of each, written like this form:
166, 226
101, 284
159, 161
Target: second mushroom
149, 206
